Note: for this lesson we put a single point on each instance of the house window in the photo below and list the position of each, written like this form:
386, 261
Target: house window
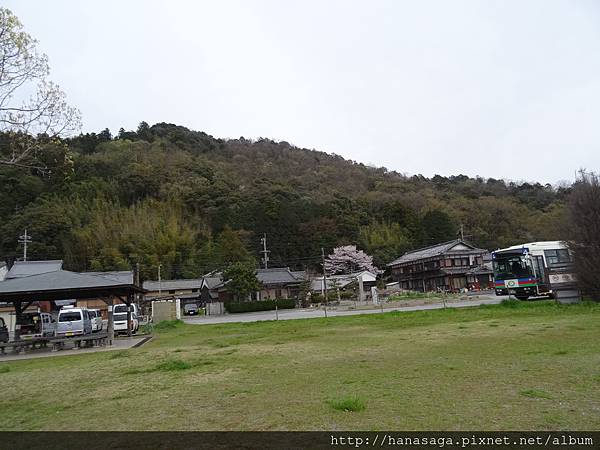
278, 293
194, 290
171, 292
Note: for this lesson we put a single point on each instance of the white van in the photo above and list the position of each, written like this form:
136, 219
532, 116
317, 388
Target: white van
120, 318
96, 318
73, 321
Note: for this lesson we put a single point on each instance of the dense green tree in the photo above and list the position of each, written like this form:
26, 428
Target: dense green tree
437, 227
230, 248
192, 203
385, 241
143, 132
241, 280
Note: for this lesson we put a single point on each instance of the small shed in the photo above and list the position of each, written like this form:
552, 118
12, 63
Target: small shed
65, 285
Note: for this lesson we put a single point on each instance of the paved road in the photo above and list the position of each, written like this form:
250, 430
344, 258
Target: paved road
292, 314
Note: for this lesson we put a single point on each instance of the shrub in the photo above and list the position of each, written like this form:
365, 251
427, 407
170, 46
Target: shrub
263, 305
318, 298
147, 328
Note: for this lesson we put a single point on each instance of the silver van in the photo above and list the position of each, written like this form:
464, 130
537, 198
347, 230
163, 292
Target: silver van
96, 318
73, 322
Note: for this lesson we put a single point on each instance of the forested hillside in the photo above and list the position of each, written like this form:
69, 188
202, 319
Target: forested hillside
192, 203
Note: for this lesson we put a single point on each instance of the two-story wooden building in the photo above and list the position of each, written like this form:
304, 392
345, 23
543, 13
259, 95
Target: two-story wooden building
449, 266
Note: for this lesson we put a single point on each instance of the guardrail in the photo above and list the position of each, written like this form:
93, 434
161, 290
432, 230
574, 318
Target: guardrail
88, 340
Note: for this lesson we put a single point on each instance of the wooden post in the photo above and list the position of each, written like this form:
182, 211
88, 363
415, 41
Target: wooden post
111, 326
19, 310
128, 303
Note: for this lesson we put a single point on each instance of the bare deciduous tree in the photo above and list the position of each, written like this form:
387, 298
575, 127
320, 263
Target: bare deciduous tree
30, 104
584, 232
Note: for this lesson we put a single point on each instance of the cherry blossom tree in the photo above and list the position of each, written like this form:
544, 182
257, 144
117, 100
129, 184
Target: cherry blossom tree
348, 259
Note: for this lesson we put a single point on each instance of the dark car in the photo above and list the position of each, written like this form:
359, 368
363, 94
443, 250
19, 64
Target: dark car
191, 309
3, 331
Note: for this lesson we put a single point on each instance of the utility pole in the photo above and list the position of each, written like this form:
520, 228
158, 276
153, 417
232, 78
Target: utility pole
264, 251
24, 239
159, 281
324, 280
462, 234
137, 281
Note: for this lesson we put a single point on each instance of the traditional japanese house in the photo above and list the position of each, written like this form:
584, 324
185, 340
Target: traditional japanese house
449, 266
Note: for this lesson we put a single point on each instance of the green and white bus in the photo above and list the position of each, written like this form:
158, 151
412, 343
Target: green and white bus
523, 270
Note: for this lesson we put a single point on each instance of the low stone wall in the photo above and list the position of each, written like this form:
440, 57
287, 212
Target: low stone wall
164, 311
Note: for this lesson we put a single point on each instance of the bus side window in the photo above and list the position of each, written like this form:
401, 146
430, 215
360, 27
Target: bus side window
557, 256
563, 256
551, 257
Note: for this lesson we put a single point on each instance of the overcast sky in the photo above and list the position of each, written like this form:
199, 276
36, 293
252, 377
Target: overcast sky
503, 89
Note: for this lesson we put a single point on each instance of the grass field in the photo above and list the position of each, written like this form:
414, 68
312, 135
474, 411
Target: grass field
503, 367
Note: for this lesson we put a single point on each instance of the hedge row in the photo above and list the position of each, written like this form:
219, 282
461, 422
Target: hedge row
264, 305
332, 296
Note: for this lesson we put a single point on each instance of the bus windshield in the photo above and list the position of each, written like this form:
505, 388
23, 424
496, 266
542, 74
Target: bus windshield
506, 268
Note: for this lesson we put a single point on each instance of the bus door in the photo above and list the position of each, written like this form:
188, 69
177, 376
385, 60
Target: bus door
540, 272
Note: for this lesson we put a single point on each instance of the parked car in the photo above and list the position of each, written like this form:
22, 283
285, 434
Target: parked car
96, 318
3, 331
191, 309
120, 318
73, 321
37, 325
